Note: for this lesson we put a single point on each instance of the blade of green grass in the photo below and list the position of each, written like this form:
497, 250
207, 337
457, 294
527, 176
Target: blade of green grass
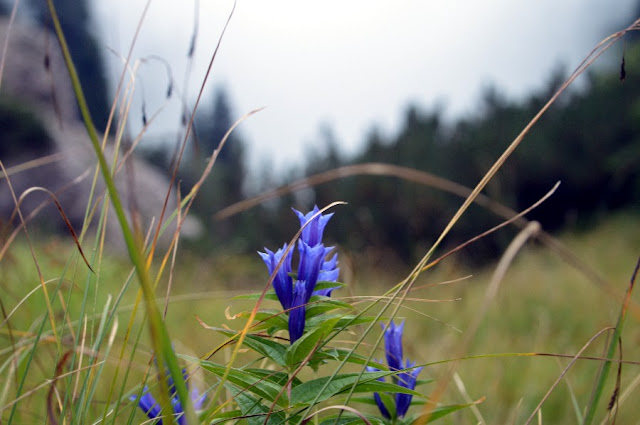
604, 372
159, 335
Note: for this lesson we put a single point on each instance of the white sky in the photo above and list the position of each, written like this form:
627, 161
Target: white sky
349, 64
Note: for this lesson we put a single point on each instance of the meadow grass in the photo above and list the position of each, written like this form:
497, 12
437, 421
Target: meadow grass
543, 306
84, 334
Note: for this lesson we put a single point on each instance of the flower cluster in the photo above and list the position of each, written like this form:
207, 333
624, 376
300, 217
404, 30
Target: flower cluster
152, 409
294, 292
393, 352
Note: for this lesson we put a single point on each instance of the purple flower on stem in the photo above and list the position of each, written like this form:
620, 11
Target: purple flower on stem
393, 345
282, 282
406, 379
312, 234
151, 407
376, 396
294, 294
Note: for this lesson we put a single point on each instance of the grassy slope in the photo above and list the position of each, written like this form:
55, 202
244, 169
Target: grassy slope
543, 305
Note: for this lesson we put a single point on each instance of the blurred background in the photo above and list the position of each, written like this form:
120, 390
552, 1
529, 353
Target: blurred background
436, 89
439, 88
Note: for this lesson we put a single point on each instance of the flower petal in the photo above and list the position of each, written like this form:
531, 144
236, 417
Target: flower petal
298, 310
147, 403
312, 233
383, 409
407, 380
282, 283
393, 345
311, 259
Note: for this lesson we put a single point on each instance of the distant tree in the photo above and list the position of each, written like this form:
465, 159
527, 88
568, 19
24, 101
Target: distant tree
229, 171
76, 24
224, 186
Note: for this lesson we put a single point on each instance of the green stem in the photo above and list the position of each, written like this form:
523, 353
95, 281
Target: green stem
159, 336
604, 372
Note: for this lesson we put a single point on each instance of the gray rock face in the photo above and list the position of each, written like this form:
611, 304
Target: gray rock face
48, 92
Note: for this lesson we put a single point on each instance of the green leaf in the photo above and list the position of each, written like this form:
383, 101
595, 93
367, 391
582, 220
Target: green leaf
269, 317
339, 354
262, 345
279, 378
344, 320
349, 419
254, 411
225, 417
270, 295
306, 392
326, 284
245, 379
439, 412
308, 342
319, 304
267, 347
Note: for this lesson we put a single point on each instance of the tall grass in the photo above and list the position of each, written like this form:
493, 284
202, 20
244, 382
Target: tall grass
92, 334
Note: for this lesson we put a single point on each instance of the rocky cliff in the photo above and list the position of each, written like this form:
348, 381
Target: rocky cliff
39, 121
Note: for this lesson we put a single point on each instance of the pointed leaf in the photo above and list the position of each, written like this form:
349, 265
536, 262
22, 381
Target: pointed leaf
441, 411
253, 410
319, 304
270, 295
262, 345
255, 384
306, 392
344, 320
308, 342
279, 378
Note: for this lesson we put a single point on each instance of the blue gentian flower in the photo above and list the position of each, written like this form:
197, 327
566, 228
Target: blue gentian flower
312, 234
393, 345
313, 267
406, 379
376, 396
282, 283
151, 407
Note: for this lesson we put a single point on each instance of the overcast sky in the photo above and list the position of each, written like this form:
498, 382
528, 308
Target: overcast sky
350, 65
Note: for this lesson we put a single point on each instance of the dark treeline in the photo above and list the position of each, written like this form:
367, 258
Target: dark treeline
589, 141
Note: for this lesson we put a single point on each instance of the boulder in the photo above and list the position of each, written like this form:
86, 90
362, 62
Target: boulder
68, 162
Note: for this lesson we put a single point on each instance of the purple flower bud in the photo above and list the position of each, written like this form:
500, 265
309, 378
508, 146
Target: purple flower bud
298, 310
312, 267
151, 407
312, 234
311, 260
393, 345
406, 379
282, 283
376, 396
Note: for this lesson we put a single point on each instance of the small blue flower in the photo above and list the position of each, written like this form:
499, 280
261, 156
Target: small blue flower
376, 396
406, 379
294, 293
297, 314
393, 345
329, 273
312, 234
282, 283
151, 407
